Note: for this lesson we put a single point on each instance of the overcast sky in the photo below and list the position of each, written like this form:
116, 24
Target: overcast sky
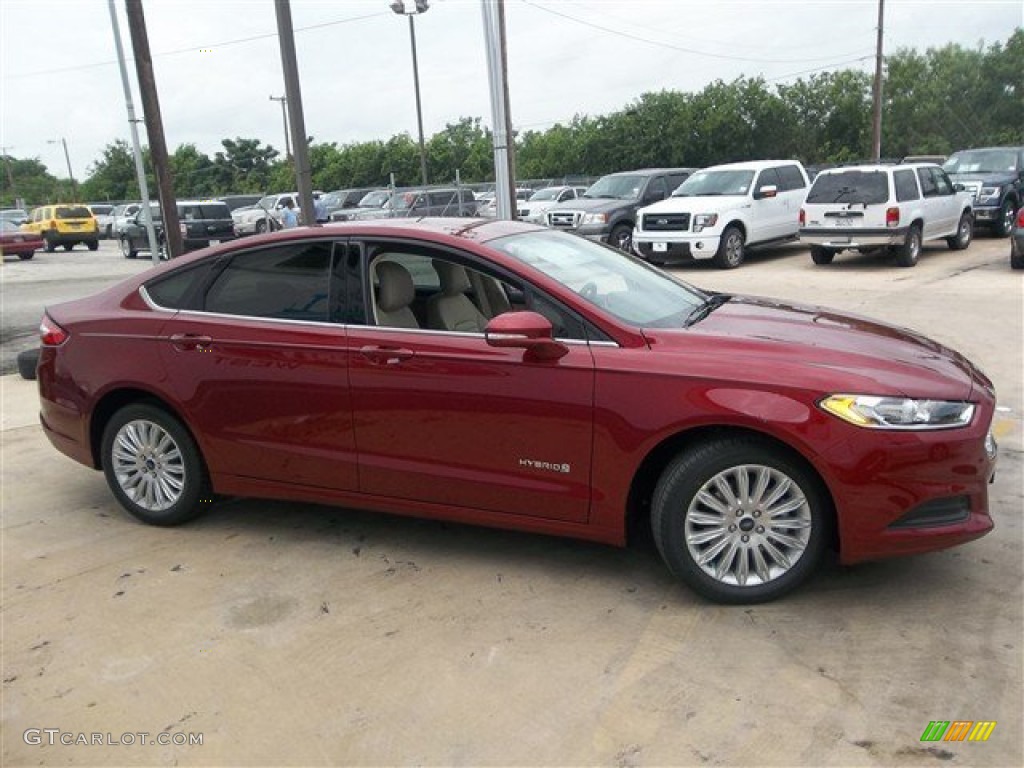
217, 62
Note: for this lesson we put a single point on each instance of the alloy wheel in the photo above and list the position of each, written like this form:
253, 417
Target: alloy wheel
148, 465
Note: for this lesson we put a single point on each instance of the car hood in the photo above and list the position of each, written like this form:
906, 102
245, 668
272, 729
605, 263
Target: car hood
816, 348
592, 205
695, 204
997, 178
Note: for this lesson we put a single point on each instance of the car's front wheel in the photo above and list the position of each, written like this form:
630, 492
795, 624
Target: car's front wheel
964, 233
822, 255
1006, 216
739, 521
730, 252
153, 466
621, 237
127, 250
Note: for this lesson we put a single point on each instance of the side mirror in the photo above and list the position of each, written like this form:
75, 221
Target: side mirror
958, 187
525, 330
768, 190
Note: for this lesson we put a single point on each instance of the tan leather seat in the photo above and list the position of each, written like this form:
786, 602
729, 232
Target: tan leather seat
451, 309
395, 292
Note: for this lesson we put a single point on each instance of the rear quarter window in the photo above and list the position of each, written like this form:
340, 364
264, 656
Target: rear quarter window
906, 186
175, 290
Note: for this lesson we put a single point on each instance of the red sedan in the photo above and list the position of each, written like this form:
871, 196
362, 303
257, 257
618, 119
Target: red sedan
15, 242
507, 375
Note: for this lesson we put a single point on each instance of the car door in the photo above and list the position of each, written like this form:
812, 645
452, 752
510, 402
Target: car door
260, 361
768, 214
948, 204
443, 417
932, 208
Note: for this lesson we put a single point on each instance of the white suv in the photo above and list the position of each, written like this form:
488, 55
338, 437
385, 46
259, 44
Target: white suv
885, 207
719, 211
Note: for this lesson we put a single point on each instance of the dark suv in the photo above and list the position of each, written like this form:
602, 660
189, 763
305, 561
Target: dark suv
607, 210
203, 223
416, 203
995, 177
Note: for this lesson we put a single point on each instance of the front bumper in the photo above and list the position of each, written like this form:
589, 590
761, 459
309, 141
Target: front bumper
660, 250
988, 214
849, 238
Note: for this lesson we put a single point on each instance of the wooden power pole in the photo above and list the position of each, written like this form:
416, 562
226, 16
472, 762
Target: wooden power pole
876, 91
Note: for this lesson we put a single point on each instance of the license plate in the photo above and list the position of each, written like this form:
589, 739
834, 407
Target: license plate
844, 222
659, 247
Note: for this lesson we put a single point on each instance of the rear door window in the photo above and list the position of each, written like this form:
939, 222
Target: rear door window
790, 178
906, 186
928, 187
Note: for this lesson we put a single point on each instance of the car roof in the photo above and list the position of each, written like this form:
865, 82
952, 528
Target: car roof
750, 165
651, 171
877, 167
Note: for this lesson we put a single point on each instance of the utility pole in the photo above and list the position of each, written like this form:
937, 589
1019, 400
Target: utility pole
140, 166
67, 159
497, 69
284, 118
876, 117
154, 126
10, 176
303, 172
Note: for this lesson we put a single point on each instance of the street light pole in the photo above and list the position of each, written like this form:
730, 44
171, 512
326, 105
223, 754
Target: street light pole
421, 7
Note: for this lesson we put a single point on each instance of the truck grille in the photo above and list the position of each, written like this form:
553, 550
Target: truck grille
974, 187
666, 222
567, 219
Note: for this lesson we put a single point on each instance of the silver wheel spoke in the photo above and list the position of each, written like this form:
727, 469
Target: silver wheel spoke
725, 564
784, 539
760, 566
711, 502
742, 484
148, 465
707, 536
763, 478
723, 487
710, 553
785, 507
703, 518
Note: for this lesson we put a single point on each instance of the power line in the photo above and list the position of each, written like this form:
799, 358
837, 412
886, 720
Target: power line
682, 49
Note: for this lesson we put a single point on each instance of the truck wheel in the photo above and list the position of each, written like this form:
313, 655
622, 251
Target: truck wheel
908, 253
92, 245
621, 237
964, 232
739, 521
126, 248
1006, 216
820, 255
730, 249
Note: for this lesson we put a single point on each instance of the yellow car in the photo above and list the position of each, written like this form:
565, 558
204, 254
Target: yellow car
66, 225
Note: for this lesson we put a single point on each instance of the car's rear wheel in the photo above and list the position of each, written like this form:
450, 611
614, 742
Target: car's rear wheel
739, 521
261, 226
153, 466
820, 255
127, 250
48, 245
621, 237
1006, 216
26, 256
730, 249
1016, 257
908, 253
964, 233
92, 245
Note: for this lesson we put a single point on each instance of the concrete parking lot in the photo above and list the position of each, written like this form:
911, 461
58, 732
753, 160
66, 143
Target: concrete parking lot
289, 634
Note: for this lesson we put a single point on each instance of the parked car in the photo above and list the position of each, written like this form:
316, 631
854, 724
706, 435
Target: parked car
537, 204
995, 177
937, 159
1017, 242
488, 208
344, 199
606, 212
104, 217
894, 207
513, 376
202, 222
14, 241
120, 216
369, 204
235, 202
66, 225
16, 216
265, 216
718, 212
416, 203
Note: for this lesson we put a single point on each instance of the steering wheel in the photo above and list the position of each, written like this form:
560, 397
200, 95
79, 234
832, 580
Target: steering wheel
589, 291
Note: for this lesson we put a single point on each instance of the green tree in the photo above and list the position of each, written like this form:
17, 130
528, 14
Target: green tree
29, 180
113, 176
194, 173
244, 166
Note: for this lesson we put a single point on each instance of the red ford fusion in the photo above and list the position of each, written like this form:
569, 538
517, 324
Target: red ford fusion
506, 375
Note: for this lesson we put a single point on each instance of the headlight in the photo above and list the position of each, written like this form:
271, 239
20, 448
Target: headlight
898, 412
594, 218
702, 220
988, 192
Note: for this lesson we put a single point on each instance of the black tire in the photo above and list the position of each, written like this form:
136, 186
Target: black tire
1007, 213
92, 245
730, 248
681, 507
28, 361
1016, 257
109, 232
48, 245
127, 249
261, 226
964, 232
908, 253
68, 246
621, 237
26, 256
141, 431
820, 255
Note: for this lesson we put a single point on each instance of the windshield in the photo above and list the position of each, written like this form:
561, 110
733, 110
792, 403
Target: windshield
616, 187
374, 199
267, 202
982, 161
101, 210
714, 183
621, 285
406, 200
545, 194
861, 187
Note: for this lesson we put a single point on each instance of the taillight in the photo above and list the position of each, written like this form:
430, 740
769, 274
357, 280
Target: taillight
51, 334
803, 217
892, 217
1020, 218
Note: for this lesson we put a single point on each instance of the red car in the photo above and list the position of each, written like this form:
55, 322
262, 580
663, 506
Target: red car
16, 242
507, 375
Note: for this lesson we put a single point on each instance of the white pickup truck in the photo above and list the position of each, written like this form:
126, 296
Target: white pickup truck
721, 210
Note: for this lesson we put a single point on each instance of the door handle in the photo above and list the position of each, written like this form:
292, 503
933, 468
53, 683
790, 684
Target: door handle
191, 342
386, 355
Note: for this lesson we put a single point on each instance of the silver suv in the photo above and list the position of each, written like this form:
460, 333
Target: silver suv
885, 207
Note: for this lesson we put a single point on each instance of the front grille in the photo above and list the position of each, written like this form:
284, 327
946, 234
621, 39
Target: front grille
568, 219
974, 187
666, 222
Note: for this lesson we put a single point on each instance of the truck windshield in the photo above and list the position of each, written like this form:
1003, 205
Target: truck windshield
712, 183
982, 161
616, 187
